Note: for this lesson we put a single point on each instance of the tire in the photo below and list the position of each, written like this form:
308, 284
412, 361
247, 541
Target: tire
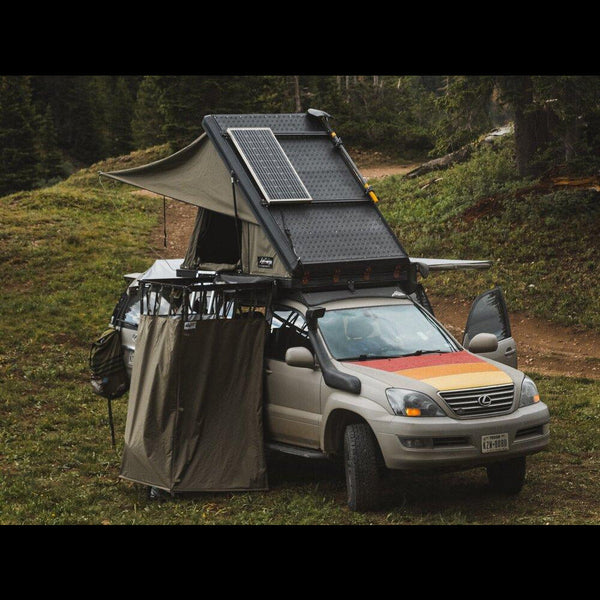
507, 477
362, 463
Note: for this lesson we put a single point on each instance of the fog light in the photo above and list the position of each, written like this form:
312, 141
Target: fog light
416, 442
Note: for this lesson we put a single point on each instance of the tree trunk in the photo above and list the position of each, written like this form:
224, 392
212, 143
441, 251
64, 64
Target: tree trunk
531, 127
297, 93
458, 156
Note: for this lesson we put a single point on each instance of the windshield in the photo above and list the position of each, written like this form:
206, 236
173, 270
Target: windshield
382, 332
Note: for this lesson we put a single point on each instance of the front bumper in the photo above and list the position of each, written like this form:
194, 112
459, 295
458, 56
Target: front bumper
430, 443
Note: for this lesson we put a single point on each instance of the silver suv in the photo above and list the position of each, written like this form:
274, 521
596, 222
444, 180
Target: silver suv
371, 377
425, 400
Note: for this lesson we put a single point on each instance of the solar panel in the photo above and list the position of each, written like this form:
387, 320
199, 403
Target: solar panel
269, 164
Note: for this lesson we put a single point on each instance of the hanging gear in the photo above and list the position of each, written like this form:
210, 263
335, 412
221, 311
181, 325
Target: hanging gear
108, 373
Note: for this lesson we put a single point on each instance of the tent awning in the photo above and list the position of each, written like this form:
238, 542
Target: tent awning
425, 265
195, 175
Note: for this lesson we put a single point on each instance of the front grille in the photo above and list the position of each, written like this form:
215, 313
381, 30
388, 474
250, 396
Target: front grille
476, 402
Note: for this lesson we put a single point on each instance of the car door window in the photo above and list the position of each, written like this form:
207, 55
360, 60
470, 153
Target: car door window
288, 329
489, 315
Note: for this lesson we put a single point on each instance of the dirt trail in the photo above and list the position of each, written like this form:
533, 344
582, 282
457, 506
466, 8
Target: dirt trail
543, 347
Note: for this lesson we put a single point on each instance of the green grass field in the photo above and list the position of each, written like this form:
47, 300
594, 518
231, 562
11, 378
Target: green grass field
64, 250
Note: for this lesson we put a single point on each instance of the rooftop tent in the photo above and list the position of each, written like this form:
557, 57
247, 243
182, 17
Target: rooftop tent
197, 175
277, 198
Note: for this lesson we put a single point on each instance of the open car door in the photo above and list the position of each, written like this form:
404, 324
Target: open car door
489, 315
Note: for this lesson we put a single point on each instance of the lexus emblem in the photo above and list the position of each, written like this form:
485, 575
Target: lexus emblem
484, 400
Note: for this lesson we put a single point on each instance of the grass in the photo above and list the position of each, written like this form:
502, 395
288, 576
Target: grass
58, 468
63, 252
544, 242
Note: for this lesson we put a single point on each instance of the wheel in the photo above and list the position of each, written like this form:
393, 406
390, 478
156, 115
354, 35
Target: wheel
508, 476
362, 463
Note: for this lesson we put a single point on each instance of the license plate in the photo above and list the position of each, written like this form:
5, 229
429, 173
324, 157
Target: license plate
496, 442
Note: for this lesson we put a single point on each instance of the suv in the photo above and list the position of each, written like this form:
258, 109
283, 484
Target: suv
370, 376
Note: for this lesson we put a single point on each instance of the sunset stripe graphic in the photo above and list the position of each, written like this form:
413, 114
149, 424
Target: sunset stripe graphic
445, 371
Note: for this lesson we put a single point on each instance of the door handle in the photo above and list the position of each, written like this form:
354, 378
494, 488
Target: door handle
268, 371
510, 351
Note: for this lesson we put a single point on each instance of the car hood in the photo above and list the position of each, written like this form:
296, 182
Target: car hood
442, 371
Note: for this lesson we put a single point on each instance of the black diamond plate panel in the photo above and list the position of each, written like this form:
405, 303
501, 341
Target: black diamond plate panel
337, 232
319, 165
269, 164
291, 124
322, 169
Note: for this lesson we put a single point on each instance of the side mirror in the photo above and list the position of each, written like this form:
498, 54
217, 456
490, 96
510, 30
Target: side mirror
298, 356
483, 342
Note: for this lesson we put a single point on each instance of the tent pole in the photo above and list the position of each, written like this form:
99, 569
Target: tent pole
237, 227
165, 220
112, 425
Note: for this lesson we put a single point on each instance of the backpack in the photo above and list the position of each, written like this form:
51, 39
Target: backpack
108, 374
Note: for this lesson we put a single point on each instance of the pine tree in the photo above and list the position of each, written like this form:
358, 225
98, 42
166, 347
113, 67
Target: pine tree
77, 107
184, 101
148, 119
18, 157
51, 162
118, 116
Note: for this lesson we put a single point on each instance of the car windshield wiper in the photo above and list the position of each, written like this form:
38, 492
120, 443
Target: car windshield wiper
419, 352
365, 357
376, 356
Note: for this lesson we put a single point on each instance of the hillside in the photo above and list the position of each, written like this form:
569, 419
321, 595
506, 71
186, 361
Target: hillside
543, 235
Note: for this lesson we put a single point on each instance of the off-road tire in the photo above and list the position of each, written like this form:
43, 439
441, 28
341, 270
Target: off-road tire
507, 477
362, 463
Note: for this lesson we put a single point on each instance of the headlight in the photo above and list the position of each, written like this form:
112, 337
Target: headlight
529, 393
408, 403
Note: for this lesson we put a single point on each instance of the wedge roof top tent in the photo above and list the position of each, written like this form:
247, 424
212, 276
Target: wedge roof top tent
278, 197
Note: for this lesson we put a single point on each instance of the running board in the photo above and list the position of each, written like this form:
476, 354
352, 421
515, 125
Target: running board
296, 450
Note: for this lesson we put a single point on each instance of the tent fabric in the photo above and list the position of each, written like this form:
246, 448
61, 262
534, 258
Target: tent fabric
194, 420
258, 256
164, 268
196, 175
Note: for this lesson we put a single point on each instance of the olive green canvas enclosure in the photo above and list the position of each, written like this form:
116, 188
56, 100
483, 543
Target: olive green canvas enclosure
194, 420
227, 235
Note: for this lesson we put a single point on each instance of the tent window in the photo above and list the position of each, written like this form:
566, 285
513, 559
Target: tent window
219, 240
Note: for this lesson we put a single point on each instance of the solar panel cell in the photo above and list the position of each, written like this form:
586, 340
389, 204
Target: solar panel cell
269, 164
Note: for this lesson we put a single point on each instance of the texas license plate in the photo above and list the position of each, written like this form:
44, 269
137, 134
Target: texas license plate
496, 442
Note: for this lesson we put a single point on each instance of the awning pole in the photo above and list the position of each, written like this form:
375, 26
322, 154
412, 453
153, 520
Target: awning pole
111, 423
237, 224
165, 220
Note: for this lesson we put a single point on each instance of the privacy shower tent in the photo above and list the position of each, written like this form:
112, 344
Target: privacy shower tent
194, 418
